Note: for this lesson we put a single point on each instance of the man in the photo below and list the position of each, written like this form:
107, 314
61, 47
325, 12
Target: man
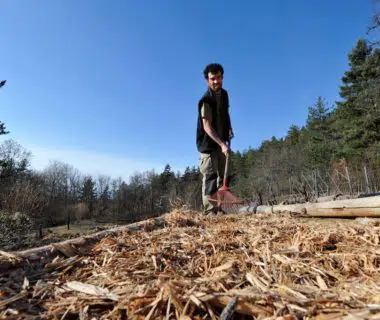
214, 132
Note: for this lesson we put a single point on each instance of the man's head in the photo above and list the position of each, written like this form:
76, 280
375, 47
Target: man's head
213, 74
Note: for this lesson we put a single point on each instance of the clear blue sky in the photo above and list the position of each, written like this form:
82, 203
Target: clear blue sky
112, 86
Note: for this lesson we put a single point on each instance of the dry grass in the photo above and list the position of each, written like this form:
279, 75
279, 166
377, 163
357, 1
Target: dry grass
229, 267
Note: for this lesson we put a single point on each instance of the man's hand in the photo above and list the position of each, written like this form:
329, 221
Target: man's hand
225, 148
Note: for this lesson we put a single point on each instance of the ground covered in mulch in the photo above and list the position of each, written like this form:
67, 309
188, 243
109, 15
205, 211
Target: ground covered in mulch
222, 267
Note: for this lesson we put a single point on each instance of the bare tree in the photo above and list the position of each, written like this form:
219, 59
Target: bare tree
103, 183
14, 157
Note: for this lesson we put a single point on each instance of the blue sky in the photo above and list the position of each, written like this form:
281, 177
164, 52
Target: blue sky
112, 86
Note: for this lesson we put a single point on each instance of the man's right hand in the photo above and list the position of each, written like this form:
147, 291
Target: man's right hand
225, 148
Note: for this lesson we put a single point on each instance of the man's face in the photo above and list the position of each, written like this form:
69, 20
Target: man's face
215, 81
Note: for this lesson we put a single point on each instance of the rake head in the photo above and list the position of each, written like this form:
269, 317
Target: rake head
225, 200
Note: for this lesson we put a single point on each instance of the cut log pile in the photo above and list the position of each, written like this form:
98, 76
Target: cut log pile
359, 207
246, 266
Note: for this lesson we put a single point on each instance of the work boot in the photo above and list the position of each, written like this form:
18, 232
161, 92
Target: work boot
221, 212
209, 212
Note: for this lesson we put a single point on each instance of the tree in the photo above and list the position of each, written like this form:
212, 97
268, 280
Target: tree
166, 178
357, 114
57, 178
103, 188
3, 129
293, 135
88, 193
375, 23
319, 138
14, 159
2, 125
75, 180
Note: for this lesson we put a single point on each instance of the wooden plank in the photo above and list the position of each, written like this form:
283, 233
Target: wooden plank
344, 212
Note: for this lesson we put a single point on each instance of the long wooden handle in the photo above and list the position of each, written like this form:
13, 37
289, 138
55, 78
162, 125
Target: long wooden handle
226, 165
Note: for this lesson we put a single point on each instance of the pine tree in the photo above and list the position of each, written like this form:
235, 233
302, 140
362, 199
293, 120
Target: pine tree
166, 178
293, 135
319, 137
3, 128
357, 114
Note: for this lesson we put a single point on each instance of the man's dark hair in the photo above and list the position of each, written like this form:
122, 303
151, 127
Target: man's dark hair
213, 68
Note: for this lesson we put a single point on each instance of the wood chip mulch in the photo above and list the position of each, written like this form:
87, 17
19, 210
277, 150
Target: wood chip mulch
222, 267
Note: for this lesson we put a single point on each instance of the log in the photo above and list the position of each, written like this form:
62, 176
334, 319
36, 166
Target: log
327, 198
364, 195
359, 207
45, 254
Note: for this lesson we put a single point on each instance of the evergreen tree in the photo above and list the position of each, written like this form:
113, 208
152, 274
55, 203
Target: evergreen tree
358, 115
88, 193
3, 128
293, 135
167, 178
320, 140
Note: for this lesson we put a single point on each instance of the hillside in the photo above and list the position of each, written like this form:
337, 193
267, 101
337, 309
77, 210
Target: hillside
192, 267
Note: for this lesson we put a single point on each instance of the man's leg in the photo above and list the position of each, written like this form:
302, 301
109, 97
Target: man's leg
209, 170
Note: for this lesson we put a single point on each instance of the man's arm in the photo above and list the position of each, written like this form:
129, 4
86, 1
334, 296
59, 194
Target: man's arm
206, 120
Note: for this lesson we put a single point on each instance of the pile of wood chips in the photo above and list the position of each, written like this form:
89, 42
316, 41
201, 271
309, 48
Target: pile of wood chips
228, 267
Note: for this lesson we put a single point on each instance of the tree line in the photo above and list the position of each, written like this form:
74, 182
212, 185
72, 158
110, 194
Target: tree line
60, 193
337, 150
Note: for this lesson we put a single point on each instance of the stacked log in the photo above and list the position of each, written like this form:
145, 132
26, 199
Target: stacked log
359, 207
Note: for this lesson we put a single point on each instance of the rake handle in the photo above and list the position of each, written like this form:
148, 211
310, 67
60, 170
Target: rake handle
226, 166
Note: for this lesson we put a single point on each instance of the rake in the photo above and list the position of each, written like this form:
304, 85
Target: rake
224, 199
